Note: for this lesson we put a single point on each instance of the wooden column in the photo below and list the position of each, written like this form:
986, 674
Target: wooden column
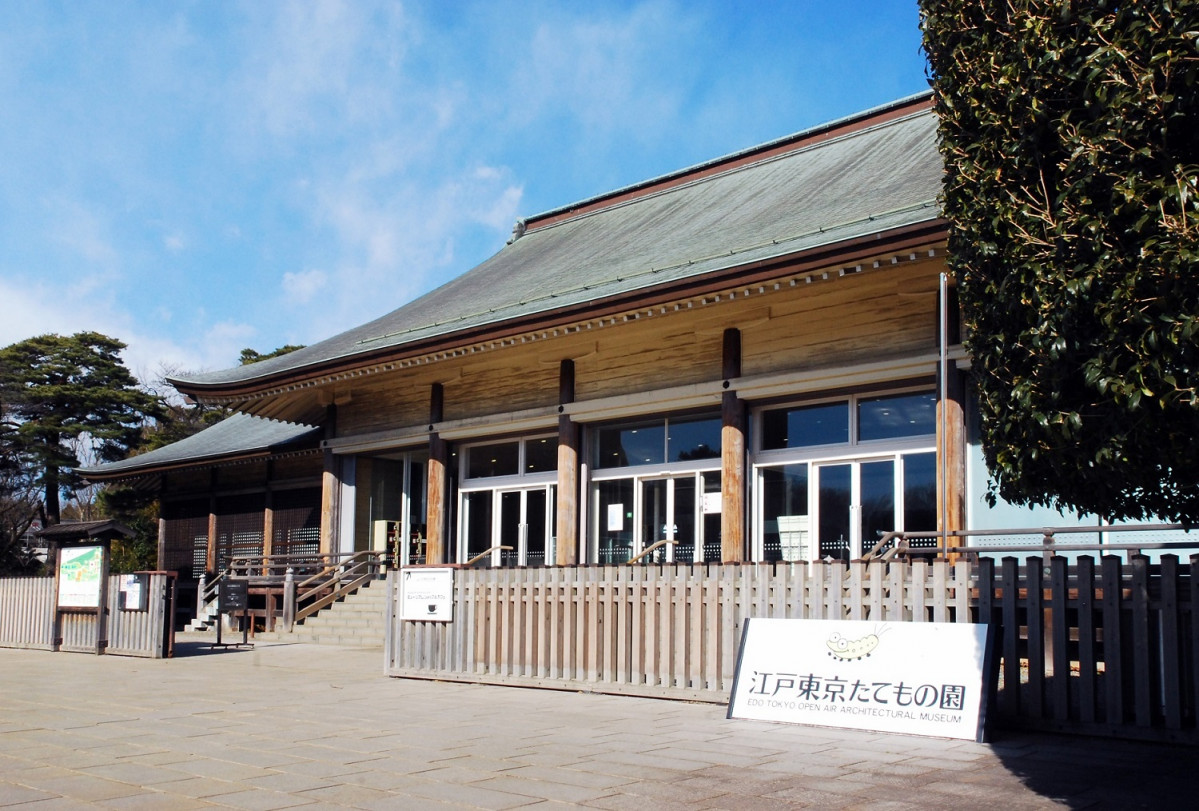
435, 518
268, 518
568, 470
330, 486
951, 446
212, 550
732, 455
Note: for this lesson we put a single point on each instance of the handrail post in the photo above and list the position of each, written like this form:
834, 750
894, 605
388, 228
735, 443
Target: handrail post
202, 587
289, 599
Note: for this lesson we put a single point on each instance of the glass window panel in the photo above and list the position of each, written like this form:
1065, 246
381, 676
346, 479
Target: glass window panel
655, 519
693, 439
478, 524
878, 501
711, 526
920, 495
537, 521
541, 455
897, 416
614, 515
499, 459
802, 427
786, 531
636, 444
684, 520
835, 486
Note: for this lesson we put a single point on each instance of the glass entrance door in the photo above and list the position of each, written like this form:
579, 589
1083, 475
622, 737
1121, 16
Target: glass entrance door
509, 527
668, 517
856, 505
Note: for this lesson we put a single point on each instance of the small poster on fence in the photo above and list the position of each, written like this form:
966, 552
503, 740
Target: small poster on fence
916, 678
427, 594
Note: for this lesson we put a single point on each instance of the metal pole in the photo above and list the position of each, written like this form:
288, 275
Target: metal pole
944, 397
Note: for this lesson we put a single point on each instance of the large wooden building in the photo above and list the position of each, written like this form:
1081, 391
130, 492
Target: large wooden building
749, 359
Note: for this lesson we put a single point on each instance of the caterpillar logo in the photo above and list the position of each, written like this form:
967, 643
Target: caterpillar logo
848, 650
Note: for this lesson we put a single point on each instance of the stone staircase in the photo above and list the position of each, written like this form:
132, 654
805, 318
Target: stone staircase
357, 620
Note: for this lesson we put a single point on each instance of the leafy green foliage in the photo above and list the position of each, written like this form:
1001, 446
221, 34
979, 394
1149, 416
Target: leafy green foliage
57, 390
1070, 133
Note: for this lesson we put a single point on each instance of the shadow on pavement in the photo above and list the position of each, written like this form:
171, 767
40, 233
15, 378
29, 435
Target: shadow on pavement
1101, 773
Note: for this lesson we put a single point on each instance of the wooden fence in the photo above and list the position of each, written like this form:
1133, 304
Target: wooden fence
1109, 648
666, 630
27, 620
1103, 648
27, 613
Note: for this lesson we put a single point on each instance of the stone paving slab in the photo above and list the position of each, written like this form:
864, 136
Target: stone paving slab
304, 726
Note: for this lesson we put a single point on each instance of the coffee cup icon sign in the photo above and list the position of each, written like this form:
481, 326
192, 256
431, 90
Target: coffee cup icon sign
432, 608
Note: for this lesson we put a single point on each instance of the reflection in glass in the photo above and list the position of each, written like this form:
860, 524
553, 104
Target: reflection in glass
694, 439
541, 455
920, 496
896, 416
638, 444
498, 459
835, 485
478, 523
614, 514
802, 427
878, 501
784, 495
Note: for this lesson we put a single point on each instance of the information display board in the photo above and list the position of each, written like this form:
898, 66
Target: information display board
916, 678
80, 572
427, 594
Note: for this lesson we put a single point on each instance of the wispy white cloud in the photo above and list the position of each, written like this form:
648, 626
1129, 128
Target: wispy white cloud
303, 286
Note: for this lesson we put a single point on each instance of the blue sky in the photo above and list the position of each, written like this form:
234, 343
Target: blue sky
196, 177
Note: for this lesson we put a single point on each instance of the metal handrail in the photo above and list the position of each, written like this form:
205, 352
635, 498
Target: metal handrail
647, 550
902, 541
487, 552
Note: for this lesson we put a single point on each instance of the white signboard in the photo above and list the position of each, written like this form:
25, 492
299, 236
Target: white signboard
916, 678
427, 594
712, 503
79, 575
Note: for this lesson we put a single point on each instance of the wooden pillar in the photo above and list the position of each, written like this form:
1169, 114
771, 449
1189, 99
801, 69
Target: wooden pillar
435, 519
951, 419
732, 455
268, 518
212, 550
330, 486
568, 470
951, 449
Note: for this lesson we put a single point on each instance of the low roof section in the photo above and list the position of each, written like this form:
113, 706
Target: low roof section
237, 438
817, 196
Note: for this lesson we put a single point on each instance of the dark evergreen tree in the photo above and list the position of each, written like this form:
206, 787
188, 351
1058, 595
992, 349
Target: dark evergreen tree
1070, 133
57, 390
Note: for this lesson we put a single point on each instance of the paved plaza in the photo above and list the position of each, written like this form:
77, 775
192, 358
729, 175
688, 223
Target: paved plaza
289, 725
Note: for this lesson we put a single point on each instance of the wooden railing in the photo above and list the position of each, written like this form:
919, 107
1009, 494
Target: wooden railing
294, 587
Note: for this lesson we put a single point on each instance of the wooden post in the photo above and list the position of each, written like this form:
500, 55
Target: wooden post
435, 518
212, 528
268, 520
330, 485
732, 455
567, 548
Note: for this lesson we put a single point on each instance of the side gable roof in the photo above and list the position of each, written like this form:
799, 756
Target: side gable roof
240, 436
870, 174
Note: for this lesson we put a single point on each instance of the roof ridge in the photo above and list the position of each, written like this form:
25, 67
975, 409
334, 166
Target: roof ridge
591, 205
